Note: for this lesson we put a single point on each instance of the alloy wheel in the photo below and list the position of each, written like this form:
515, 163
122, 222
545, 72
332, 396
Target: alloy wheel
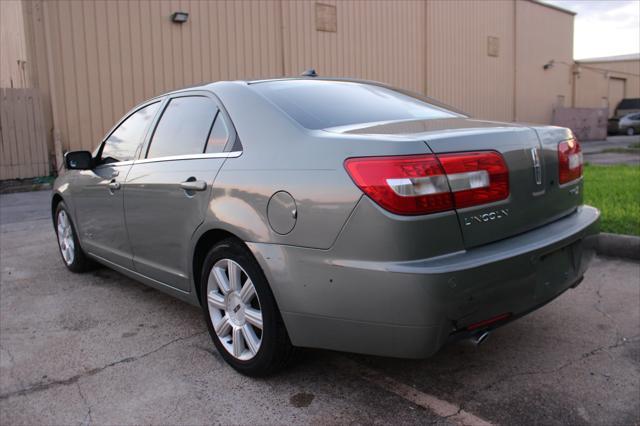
235, 309
65, 237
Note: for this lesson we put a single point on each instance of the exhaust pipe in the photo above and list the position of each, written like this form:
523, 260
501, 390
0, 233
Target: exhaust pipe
478, 339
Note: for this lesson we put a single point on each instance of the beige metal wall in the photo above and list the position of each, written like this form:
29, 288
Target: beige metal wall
595, 82
459, 69
12, 45
93, 60
543, 34
375, 40
106, 56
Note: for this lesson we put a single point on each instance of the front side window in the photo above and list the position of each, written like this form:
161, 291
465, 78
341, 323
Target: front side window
324, 104
123, 142
184, 127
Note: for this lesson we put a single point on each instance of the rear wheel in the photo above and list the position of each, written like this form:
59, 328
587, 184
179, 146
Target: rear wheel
70, 250
241, 313
631, 131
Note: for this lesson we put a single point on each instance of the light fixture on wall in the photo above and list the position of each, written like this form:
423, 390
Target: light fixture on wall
548, 65
179, 17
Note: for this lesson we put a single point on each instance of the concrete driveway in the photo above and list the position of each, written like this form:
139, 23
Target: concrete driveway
100, 348
614, 150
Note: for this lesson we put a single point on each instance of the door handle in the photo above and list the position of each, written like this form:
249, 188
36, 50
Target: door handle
193, 185
114, 186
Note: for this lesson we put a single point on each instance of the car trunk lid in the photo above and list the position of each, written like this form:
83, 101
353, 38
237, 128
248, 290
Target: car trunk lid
535, 195
531, 155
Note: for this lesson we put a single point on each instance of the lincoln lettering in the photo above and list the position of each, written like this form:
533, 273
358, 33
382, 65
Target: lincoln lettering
486, 217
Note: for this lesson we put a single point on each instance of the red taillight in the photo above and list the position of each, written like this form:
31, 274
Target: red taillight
494, 171
414, 184
569, 161
420, 184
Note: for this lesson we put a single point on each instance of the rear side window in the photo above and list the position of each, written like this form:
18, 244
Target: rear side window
123, 142
219, 135
184, 127
324, 104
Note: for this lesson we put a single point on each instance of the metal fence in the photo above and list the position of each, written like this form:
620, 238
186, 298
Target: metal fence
23, 136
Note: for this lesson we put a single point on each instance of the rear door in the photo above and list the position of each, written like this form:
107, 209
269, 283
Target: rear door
168, 189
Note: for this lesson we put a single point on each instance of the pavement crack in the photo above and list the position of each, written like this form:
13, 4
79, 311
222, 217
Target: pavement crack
453, 415
619, 335
41, 386
569, 363
11, 358
87, 418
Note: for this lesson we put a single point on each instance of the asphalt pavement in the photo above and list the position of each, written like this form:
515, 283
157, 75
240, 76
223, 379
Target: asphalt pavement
100, 348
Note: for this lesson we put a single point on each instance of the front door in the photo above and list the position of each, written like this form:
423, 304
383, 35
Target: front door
167, 192
98, 194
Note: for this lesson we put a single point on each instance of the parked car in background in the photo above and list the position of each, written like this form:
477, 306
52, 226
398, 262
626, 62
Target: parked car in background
625, 107
630, 124
336, 214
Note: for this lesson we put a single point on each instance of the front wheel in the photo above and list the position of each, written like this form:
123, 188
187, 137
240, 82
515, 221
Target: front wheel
241, 312
70, 250
631, 131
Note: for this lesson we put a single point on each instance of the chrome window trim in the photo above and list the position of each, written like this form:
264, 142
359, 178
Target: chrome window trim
232, 154
117, 163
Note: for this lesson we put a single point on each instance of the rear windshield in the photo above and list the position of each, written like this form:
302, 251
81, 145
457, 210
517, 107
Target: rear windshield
324, 104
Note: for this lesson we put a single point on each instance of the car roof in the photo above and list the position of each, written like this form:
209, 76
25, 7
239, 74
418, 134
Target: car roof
304, 78
209, 86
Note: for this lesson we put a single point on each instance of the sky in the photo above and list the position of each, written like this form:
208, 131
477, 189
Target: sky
604, 27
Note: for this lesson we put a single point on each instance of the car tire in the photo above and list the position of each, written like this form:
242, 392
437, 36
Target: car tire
72, 255
241, 313
630, 131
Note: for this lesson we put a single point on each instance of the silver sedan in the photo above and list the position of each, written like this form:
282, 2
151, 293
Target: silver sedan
337, 214
630, 124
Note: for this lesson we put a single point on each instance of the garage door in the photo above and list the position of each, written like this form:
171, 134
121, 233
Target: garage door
616, 93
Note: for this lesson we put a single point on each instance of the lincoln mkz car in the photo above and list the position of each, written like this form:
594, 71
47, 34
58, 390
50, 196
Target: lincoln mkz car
325, 213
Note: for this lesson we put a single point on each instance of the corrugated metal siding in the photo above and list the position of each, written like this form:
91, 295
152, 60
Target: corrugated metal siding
107, 56
381, 40
542, 34
12, 45
97, 59
459, 70
592, 82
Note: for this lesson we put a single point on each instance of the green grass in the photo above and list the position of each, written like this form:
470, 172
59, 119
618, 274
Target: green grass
615, 190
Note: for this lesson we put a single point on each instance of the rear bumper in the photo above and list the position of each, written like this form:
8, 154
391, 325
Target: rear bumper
410, 309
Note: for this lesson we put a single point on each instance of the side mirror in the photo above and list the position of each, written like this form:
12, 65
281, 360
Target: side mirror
78, 160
